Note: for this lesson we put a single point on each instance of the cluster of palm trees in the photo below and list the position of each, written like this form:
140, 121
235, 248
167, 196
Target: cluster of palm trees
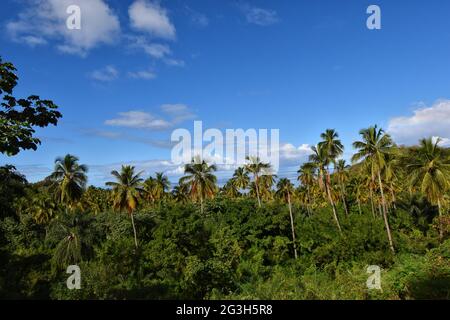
380, 171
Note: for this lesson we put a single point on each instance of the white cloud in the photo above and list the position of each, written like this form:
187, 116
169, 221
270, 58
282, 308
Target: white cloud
174, 62
46, 19
175, 114
139, 120
108, 73
259, 16
178, 112
156, 50
425, 122
290, 153
149, 17
142, 74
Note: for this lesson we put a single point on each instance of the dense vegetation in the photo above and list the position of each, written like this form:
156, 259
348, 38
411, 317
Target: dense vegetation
257, 237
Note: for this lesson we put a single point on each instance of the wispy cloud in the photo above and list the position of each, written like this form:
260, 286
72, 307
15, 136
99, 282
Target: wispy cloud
142, 74
106, 74
114, 135
46, 19
175, 114
150, 17
197, 18
259, 16
423, 123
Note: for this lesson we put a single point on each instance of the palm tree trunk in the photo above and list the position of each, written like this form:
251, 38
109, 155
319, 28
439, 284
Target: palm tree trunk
441, 229
386, 222
359, 207
257, 190
309, 200
393, 199
201, 203
343, 200
292, 225
371, 202
332, 206
134, 229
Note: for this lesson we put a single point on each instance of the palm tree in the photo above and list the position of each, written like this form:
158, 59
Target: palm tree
230, 189
306, 175
342, 177
240, 179
257, 168
163, 183
201, 180
320, 158
70, 179
127, 192
373, 148
429, 169
331, 144
284, 190
150, 190
181, 193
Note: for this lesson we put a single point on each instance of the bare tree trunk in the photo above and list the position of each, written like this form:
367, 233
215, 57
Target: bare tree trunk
386, 222
343, 199
441, 229
309, 201
371, 202
134, 229
332, 206
393, 199
292, 225
257, 190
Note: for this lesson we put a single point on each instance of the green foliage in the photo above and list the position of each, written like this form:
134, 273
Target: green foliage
19, 116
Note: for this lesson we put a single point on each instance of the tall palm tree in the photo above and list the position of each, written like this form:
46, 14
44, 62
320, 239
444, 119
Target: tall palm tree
257, 168
306, 176
320, 157
230, 189
127, 192
285, 189
201, 180
373, 148
428, 168
181, 193
241, 180
341, 174
331, 144
151, 192
70, 179
163, 183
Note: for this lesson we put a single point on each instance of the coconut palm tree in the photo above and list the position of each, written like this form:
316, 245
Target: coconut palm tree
429, 169
127, 192
70, 179
285, 190
240, 179
331, 144
230, 189
201, 180
320, 158
342, 177
373, 148
163, 184
306, 176
180, 193
257, 168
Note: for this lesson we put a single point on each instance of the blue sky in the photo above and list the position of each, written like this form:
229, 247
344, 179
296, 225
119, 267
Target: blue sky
137, 70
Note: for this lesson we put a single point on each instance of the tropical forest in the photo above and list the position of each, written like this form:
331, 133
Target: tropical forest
256, 236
